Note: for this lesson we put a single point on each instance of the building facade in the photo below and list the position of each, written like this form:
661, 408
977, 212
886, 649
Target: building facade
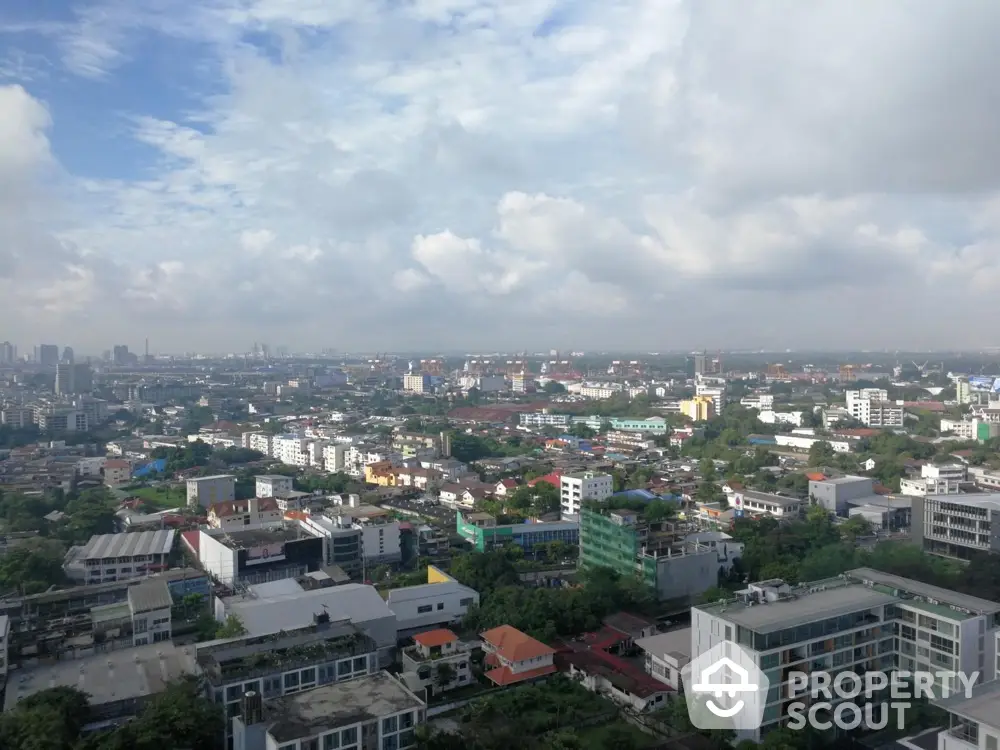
575, 488
207, 491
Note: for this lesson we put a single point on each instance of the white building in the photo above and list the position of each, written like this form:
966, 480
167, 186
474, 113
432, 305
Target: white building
258, 441
871, 407
545, 419
273, 485
239, 515
379, 531
441, 603
292, 450
752, 502
118, 557
150, 604
335, 457
759, 401
431, 650
805, 442
207, 491
417, 383
666, 654
768, 416
575, 488
715, 392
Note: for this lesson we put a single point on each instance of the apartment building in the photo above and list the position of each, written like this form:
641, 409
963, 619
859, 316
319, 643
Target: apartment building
61, 419
273, 485
699, 409
482, 531
252, 513
751, 502
207, 491
836, 493
335, 457
417, 383
712, 390
625, 541
944, 479
871, 407
545, 418
862, 621
376, 711
149, 605
292, 450
369, 531
258, 441
957, 525
575, 488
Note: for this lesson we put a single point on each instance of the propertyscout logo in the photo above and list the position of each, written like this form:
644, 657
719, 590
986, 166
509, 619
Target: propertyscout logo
724, 689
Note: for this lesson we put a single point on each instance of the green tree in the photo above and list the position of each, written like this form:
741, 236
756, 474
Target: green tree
444, 675
33, 566
50, 719
232, 628
821, 453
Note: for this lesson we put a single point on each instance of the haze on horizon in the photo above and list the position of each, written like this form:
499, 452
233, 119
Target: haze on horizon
499, 174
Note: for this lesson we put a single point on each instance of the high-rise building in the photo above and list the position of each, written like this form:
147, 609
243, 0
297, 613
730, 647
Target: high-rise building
861, 621
120, 354
48, 355
8, 353
67, 355
73, 378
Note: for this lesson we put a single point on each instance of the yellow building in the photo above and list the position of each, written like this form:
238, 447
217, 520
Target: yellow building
699, 408
381, 473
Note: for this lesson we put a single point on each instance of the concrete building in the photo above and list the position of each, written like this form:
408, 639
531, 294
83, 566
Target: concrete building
626, 542
149, 605
118, 557
273, 485
666, 654
751, 502
837, 493
207, 491
575, 488
54, 418
253, 513
545, 418
862, 621
699, 409
871, 407
973, 721
417, 383
957, 525
377, 528
441, 602
376, 711
431, 650
239, 558
116, 471
335, 457
515, 657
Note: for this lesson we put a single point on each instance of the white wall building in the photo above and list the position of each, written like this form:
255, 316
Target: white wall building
119, 557
575, 488
207, 491
544, 419
335, 457
431, 604
871, 407
292, 450
273, 485
768, 416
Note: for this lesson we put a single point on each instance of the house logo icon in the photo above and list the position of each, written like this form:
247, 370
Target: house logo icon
724, 689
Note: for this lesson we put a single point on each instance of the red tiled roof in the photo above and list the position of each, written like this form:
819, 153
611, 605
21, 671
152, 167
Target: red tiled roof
433, 638
117, 463
504, 675
553, 478
815, 476
619, 672
513, 645
508, 483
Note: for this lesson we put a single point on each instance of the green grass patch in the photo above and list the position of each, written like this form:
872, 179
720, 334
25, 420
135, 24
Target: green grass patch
162, 496
612, 734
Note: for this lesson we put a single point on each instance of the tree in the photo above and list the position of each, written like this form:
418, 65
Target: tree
231, 628
821, 453
444, 675
553, 388
49, 719
179, 717
33, 566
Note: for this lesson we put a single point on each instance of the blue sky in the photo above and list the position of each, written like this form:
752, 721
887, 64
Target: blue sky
440, 174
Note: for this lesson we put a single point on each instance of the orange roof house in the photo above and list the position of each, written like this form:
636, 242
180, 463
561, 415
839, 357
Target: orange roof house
435, 638
515, 657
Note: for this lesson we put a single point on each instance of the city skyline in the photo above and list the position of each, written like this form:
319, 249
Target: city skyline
436, 175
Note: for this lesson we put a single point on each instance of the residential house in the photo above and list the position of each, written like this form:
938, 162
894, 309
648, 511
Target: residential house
381, 473
666, 655
505, 487
117, 471
253, 513
515, 657
430, 651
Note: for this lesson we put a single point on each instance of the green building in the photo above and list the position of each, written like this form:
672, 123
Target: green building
482, 532
624, 541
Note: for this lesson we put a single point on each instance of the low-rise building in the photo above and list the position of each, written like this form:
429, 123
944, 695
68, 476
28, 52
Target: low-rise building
575, 488
253, 513
514, 657
483, 533
116, 471
956, 525
117, 557
149, 605
273, 485
441, 602
246, 557
376, 711
431, 650
378, 530
207, 491
666, 655
837, 493
751, 502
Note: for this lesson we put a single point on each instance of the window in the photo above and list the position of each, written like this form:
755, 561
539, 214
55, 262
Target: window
308, 675
361, 664
466, 602
424, 609
406, 720
440, 606
291, 680
344, 668
390, 743
389, 725
310, 744
349, 736
991, 742
331, 741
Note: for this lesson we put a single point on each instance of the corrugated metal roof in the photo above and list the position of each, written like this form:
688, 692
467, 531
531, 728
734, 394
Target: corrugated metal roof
158, 542
149, 595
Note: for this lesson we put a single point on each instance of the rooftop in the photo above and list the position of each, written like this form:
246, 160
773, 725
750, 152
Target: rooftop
213, 477
675, 643
513, 645
983, 707
435, 638
149, 595
840, 597
289, 609
257, 537
338, 705
936, 593
124, 674
158, 542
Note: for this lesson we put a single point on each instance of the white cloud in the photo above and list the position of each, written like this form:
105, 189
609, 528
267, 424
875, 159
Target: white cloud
525, 169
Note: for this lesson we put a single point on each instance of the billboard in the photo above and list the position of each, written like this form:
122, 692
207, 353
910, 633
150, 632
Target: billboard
266, 553
980, 383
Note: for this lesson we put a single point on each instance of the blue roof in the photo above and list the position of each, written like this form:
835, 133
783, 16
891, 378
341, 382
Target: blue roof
637, 494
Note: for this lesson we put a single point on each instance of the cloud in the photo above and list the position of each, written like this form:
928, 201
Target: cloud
626, 173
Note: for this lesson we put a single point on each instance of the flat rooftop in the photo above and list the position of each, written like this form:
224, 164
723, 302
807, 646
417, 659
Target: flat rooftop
983, 707
338, 705
840, 599
768, 497
257, 537
990, 500
675, 643
841, 480
211, 478
113, 676
284, 608
939, 595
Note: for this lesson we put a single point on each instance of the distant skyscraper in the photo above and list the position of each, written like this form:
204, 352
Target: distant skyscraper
64, 379
120, 355
48, 355
8, 353
73, 378
68, 355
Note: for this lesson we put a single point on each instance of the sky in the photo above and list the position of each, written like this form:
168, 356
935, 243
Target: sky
499, 174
